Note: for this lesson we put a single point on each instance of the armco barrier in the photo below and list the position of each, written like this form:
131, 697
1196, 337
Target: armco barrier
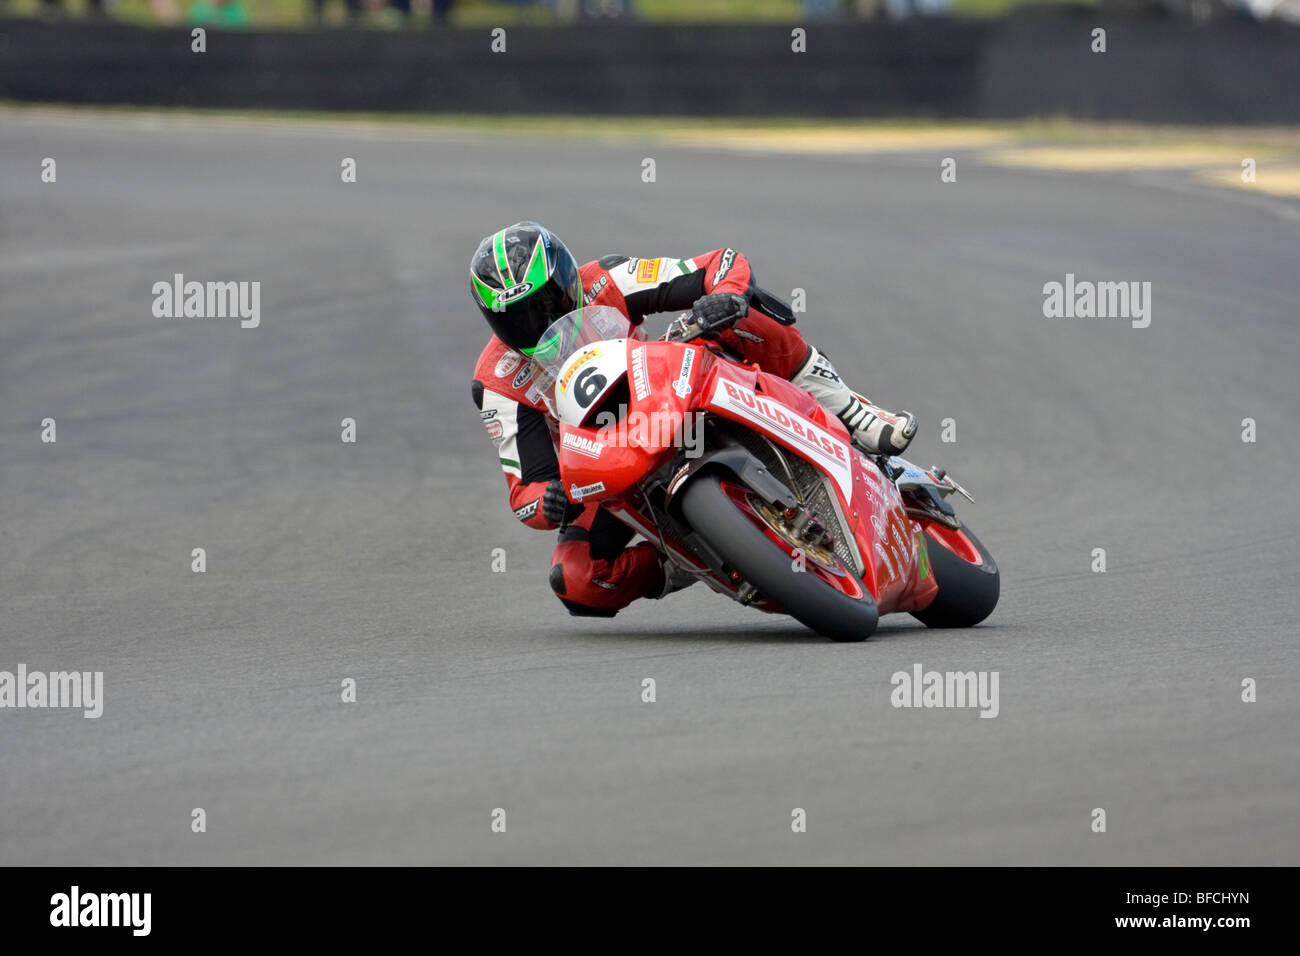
1036, 63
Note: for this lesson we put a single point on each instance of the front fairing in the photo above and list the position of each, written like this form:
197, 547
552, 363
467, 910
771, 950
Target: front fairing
655, 423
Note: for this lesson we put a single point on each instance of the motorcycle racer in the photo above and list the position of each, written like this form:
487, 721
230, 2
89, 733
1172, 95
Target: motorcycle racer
522, 279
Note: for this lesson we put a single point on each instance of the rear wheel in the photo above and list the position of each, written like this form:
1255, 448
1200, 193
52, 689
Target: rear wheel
967, 577
825, 596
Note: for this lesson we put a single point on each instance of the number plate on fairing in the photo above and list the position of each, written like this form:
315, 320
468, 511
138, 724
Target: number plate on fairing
587, 376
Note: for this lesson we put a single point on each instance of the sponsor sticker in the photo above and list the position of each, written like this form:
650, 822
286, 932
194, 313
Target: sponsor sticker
577, 494
507, 364
590, 295
878, 489
495, 430
819, 445
683, 384
724, 265
582, 445
888, 536
514, 292
525, 373
640, 378
527, 511
896, 536
647, 270
586, 357
889, 565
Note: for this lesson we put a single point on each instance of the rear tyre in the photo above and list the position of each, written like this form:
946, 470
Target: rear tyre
968, 592
746, 548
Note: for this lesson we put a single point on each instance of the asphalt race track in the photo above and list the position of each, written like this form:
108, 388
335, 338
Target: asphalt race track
326, 560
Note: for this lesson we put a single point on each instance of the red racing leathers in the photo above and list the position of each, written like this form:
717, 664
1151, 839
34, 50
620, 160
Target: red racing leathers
593, 572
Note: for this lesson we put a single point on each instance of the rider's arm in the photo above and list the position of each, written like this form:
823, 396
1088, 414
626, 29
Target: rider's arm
647, 286
526, 451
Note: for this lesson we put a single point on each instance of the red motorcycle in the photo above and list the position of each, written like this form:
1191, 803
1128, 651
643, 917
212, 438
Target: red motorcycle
747, 482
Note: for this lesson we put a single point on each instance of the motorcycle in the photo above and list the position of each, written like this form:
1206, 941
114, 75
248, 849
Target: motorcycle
745, 481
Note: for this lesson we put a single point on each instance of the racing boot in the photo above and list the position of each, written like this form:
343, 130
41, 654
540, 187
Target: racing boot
874, 431
675, 577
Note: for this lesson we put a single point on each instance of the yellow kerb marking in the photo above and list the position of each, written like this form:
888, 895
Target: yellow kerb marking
1111, 158
840, 141
1273, 180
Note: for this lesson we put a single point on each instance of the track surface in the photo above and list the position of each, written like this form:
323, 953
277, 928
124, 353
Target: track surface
371, 561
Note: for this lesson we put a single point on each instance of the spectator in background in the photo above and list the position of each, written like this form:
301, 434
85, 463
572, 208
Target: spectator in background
392, 12
231, 14
94, 8
351, 10
167, 12
385, 12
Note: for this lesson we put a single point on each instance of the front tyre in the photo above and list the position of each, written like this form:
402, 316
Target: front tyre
831, 602
967, 576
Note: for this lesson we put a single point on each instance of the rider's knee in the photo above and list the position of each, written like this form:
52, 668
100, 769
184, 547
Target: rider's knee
559, 586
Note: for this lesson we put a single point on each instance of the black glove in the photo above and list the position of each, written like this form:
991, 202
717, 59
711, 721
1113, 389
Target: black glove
556, 505
718, 311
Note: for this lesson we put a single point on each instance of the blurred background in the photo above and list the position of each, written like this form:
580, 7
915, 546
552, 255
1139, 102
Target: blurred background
1148, 61
296, 14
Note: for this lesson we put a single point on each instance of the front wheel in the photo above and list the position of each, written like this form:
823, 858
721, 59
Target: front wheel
967, 577
824, 596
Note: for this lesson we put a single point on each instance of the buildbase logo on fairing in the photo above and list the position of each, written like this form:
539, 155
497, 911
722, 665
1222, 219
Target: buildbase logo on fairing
583, 446
803, 434
640, 379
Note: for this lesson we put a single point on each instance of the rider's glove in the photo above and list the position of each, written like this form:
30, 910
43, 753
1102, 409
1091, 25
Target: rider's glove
718, 311
556, 505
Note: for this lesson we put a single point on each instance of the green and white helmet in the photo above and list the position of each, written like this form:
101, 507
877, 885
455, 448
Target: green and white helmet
523, 278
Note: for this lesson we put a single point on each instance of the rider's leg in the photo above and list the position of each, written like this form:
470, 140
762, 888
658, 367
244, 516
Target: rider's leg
873, 429
593, 571
781, 350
